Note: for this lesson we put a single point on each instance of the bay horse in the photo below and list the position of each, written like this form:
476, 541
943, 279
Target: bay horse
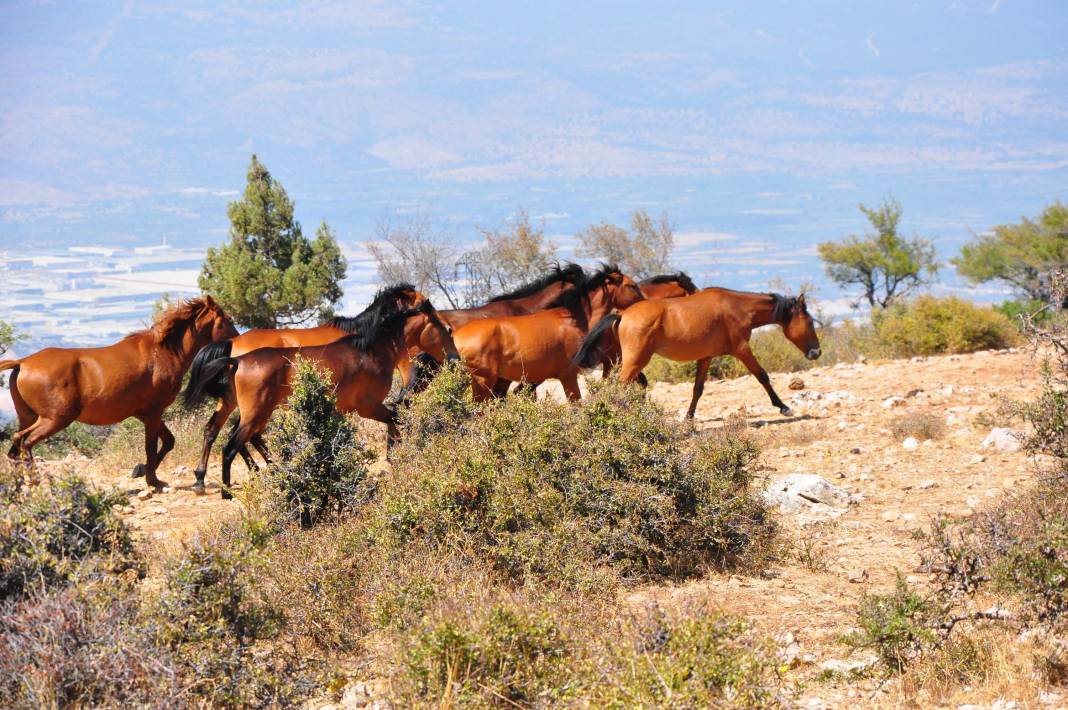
707, 324
139, 376
540, 346
531, 297
662, 286
360, 365
405, 295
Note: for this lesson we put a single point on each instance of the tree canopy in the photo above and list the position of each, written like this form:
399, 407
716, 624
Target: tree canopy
269, 274
643, 251
1022, 254
884, 264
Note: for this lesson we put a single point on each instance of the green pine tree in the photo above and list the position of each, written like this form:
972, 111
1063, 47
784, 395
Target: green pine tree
270, 275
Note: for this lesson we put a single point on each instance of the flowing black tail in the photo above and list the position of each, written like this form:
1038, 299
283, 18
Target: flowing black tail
590, 354
209, 375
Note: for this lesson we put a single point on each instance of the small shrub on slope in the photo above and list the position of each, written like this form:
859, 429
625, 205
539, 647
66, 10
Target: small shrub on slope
51, 534
930, 325
320, 463
556, 491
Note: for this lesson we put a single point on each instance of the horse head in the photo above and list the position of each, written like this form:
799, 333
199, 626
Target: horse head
798, 326
213, 320
428, 332
621, 289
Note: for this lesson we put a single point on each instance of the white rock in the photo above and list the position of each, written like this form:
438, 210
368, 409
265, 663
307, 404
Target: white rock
910, 444
895, 401
890, 516
799, 491
1003, 439
844, 666
924, 485
145, 494
857, 576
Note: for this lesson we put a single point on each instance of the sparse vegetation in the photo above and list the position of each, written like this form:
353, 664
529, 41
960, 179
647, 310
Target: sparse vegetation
643, 251
919, 425
931, 326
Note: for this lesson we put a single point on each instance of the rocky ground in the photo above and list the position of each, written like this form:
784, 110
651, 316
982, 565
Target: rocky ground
882, 489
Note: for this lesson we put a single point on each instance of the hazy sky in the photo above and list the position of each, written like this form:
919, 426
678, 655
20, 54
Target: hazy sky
134, 121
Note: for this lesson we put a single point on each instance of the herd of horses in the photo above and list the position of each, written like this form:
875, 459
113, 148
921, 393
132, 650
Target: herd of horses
565, 321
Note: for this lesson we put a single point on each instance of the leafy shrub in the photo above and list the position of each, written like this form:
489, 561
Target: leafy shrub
78, 438
1025, 311
555, 491
900, 625
210, 615
51, 534
930, 325
319, 459
920, 425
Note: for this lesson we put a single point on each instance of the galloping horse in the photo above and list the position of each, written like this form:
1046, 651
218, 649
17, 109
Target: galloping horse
139, 376
405, 297
361, 366
710, 323
663, 286
528, 298
540, 346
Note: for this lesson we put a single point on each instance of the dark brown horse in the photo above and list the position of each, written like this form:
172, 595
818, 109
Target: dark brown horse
405, 297
540, 346
361, 366
710, 323
139, 376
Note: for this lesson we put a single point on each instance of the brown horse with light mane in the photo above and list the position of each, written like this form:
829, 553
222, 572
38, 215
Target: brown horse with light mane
540, 346
139, 376
710, 323
405, 296
361, 366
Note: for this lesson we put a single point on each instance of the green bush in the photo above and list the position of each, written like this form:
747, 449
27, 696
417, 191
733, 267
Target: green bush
50, 535
319, 461
78, 438
930, 326
900, 626
210, 615
1021, 311
556, 491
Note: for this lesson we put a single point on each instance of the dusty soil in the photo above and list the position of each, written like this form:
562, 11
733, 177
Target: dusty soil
841, 431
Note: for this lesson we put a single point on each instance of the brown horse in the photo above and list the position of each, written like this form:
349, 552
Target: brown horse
405, 296
139, 376
528, 298
710, 323
540, 346
663, 286
361, 366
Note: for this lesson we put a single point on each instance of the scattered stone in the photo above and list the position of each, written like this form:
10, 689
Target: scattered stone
913, 393
1003, 439
855, 450
846, 666
895, 401
909, 517
910, 444
972, 502
797, 384
924, 485
167, 489
890, 516
856, 576
799, 491
145, 494
977, 459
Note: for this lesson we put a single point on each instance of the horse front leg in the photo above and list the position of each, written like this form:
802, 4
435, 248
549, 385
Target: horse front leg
749, 360
388, 416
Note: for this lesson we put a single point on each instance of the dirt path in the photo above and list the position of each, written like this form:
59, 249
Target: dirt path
841, 432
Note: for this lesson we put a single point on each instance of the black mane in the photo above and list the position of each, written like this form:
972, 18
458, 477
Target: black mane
579, 295
681, 277
381, 318
783, 308
570, 273
354, 324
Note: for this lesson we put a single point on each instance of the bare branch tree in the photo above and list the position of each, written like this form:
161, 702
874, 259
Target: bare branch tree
643, 251
413, 252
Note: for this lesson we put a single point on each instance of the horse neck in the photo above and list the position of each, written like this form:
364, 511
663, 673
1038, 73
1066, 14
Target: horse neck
763, 311
543, 297
598, 304
180, 358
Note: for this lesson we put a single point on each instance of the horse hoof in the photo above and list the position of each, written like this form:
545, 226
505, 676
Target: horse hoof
138, 471
787, 412
226, 494
198, 488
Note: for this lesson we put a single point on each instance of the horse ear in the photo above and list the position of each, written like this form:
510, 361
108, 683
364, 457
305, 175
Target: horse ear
801, 300
210, 302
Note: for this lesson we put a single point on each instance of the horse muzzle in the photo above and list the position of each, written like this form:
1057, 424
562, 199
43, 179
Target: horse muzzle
452, 357
813, 354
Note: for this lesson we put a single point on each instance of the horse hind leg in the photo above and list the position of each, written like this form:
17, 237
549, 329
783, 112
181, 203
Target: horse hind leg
214, 425
241, 435
698, 384
37, 432
26, 416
